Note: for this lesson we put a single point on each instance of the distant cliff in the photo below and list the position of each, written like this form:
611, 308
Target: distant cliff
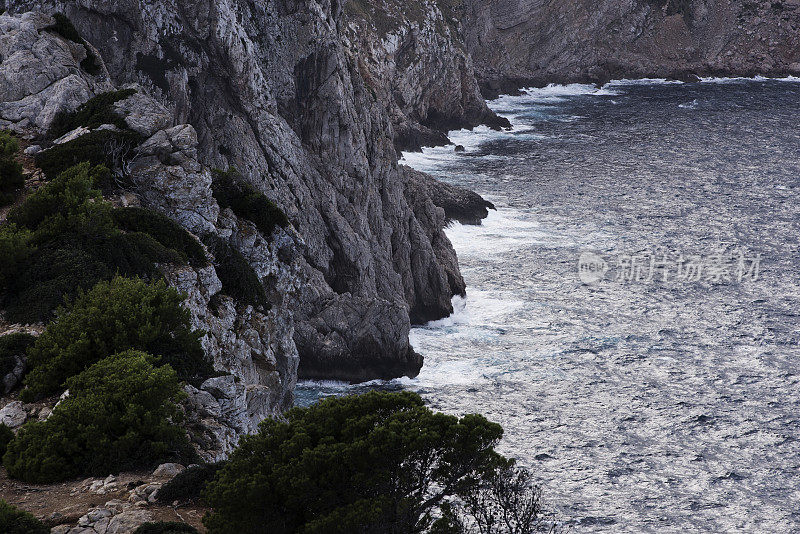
411, 55
526, 42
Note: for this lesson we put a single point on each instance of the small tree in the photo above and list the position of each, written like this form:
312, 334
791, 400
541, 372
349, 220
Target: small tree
379, 462
501, 500
120, 414
114, 316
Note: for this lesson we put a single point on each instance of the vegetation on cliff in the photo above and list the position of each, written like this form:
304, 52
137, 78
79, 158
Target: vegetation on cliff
121, 413
65, 237
11, 177
378, 462
231, 191
238, 278
92, 114
115, 316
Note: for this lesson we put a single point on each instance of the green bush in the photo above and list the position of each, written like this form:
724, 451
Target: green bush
15, 521
61, 268
165, 527
12, 346
164, 230
114, 316
238, 278
93, 113
68, 202
15, 247
11, 177
379, 462
231, 191
100, 147
188, 485
121, 414
6, 435
65, 237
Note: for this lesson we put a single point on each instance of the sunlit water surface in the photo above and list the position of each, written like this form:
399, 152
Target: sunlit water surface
650, 406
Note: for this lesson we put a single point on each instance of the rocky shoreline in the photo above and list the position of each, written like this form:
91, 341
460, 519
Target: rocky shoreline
312, 103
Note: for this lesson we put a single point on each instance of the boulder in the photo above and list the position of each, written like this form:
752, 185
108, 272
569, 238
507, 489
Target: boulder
13, 414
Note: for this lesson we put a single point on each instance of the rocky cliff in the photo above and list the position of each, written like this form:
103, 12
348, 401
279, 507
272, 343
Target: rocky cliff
41, 73
273, 89
410, 55
531, 42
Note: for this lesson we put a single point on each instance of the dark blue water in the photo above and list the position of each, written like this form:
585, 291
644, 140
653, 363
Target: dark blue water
643, 404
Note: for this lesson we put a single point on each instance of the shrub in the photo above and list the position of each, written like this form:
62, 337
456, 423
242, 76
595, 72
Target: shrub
100, 147
231, 191
120, 414
11, 347
189, 484
16, 521
59, 269
15, 247
238, 278
379, 462
65, 237
69, 201
164, 230
6, 435
114, 316
165, 527
93, 113
11, 177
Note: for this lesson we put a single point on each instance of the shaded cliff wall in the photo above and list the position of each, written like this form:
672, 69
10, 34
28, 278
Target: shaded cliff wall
411, 54
526, 42
272, 89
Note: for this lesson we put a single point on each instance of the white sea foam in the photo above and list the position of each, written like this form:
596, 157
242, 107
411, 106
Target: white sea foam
642, 81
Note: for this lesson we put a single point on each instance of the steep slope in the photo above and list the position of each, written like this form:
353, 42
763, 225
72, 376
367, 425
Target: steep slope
411, 55
518, 42
271, 88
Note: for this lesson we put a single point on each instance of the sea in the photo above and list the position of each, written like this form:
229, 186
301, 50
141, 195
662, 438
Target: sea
632, 316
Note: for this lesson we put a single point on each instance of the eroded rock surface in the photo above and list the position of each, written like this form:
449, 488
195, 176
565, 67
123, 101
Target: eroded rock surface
411, 56
530, 42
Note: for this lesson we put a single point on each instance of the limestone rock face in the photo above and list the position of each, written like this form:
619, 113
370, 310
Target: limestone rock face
40, 74
527, 42
273, 89
459, 204
410, 54
13, 414
254, 347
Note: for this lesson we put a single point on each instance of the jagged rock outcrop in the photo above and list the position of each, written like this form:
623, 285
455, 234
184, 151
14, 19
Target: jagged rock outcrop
459, 204
271, 89
40, 76
531, 42
410, 55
